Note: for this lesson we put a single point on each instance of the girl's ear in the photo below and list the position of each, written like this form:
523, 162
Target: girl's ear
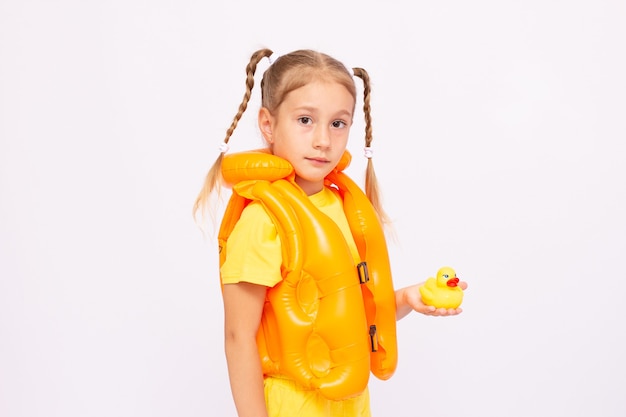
265, 124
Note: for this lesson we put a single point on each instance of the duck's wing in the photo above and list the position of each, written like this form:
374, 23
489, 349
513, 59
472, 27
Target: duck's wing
427, 294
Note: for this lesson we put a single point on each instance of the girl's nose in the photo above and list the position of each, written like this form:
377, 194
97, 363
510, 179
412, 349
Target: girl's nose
321, 139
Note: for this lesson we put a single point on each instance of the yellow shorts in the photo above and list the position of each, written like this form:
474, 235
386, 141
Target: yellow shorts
285, 398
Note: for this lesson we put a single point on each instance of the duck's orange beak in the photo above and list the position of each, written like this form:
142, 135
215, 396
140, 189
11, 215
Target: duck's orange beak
452, 282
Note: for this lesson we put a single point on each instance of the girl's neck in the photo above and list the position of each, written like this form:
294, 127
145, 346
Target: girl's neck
309, 187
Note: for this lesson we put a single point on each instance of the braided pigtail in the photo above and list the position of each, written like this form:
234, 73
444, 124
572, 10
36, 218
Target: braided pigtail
214, 176
371, 183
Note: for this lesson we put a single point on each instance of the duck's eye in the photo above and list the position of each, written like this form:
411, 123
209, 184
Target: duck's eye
446, 276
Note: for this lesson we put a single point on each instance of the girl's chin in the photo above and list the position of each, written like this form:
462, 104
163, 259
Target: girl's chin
310, 185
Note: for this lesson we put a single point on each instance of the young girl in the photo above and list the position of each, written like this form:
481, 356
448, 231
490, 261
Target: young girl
309, 305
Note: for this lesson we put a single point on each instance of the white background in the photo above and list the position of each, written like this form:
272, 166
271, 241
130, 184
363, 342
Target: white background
499, 131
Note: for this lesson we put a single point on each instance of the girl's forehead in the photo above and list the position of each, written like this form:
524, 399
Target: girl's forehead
322, 87
321, 93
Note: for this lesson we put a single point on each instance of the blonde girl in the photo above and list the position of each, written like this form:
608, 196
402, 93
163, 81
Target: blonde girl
292, 264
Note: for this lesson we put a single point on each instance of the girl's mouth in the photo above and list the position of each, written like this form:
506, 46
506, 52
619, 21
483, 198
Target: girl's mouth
319, 161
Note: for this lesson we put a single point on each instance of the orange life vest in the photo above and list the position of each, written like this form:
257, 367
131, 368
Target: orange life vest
327, 324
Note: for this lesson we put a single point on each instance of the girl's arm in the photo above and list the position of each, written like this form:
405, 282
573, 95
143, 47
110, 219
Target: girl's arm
243, 305
409, 299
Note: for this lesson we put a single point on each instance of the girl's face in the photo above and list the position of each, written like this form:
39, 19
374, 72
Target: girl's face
310, 130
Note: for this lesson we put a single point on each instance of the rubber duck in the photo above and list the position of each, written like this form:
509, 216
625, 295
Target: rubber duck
443, 291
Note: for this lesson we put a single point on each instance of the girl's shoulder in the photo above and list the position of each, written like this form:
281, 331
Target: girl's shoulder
254, 217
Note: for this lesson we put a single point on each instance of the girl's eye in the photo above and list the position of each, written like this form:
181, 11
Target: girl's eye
305, 120
339, 123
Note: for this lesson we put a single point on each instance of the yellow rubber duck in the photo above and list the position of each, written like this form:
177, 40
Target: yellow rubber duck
444, 291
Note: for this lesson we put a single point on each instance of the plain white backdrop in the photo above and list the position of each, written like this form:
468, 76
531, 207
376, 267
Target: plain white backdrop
499, 131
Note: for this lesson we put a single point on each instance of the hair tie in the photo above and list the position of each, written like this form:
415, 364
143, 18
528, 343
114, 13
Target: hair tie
369, 152
272, 58
224, 147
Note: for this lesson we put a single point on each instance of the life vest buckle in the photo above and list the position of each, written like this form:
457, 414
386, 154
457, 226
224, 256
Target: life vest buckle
373, 338
364, 275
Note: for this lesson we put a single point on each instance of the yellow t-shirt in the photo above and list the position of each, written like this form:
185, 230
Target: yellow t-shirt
253, 248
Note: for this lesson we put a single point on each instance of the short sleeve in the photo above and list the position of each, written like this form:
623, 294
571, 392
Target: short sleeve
253, 250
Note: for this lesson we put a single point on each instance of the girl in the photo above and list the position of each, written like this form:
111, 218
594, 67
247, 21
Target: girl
309, 304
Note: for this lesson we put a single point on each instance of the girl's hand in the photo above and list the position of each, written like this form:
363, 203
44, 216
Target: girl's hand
409, 299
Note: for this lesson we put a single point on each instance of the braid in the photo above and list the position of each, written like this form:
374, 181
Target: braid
371, 183
361, 73
214, 175
250, 70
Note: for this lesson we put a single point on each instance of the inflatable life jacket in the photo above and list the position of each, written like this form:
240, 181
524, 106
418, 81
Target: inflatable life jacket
327, 324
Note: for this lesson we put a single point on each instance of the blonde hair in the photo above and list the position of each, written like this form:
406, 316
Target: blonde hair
287, 73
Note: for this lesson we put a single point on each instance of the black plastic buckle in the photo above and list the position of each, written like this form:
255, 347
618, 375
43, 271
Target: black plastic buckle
364, 276
373, 338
